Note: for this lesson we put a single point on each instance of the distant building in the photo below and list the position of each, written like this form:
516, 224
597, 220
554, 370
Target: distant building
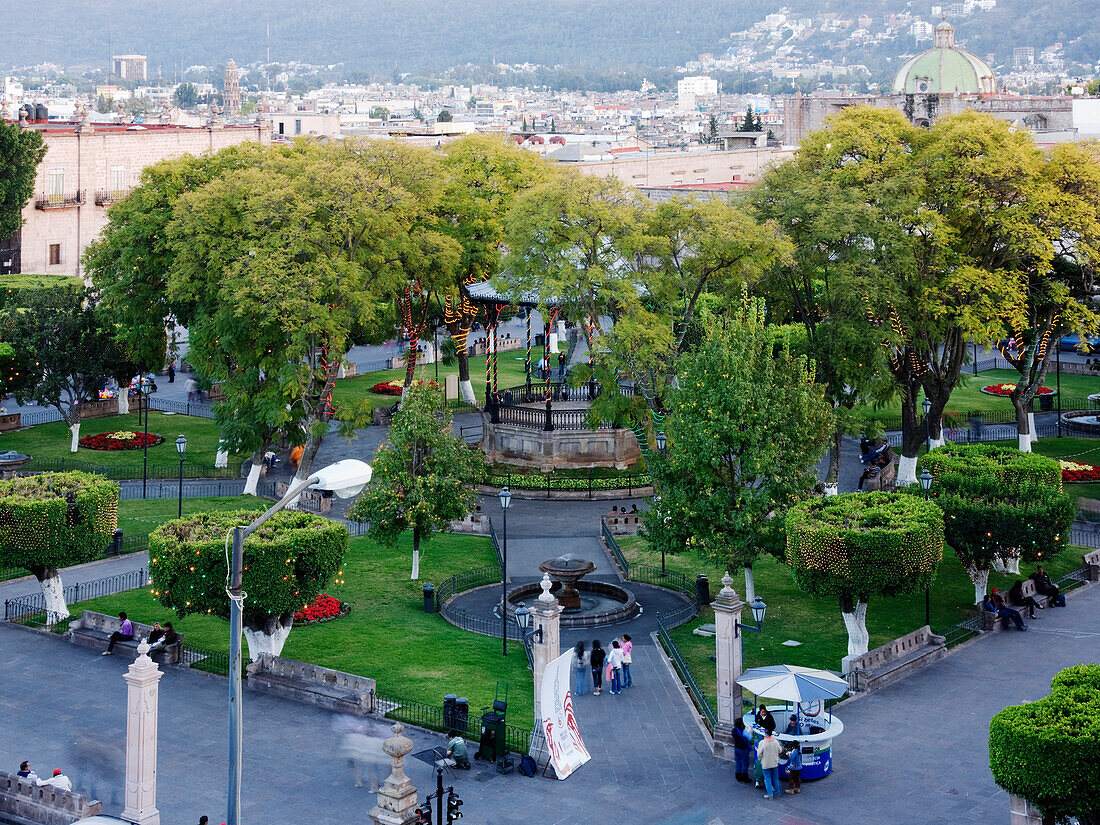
945, 69
1022, 57
231, 95
87, 168
689, 88
130, 66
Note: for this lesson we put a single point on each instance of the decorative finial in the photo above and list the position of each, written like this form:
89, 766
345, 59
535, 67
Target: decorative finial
546, 584
727, 580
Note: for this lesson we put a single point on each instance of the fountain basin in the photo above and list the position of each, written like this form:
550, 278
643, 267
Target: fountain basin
1082, 421
598, 603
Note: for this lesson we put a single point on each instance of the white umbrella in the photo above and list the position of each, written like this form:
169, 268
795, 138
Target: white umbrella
792, 683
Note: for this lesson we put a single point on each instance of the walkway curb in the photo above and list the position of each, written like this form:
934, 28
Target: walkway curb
703, 729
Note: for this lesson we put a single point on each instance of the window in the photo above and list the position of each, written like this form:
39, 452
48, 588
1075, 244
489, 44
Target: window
55, 254
297, 127
116, 185
281, 125
56, 183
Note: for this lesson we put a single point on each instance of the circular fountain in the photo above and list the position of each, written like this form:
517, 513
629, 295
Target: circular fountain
1086, 422
584, 603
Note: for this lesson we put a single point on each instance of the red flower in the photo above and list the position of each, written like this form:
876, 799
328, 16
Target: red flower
1006, 390
323, 607
120, 440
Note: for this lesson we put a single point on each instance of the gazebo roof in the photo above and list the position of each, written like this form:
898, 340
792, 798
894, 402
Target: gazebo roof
483, 292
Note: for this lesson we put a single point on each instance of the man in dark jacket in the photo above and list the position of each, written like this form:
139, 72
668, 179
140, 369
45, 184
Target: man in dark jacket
1048, 588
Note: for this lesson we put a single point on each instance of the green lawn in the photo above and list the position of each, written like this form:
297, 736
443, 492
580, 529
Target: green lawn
387, 635
1083, 450
138, 517
510, 373
969, 397
51, 441
816, 623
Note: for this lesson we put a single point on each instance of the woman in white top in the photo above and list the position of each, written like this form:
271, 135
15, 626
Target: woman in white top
616, 668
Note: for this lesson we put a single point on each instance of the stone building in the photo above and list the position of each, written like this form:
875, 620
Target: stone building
130, 66
232, 93
943, 80
85, 170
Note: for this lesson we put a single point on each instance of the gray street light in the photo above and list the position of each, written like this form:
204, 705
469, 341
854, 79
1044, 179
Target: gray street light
523, 620
505, 497
926, 485
758, 609
345, 478
926, 405
181, 448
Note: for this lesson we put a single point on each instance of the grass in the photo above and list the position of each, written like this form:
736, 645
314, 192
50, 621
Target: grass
140, 517
816, 623
510, 373
1084, 450
51, 441
387, 635
968, 397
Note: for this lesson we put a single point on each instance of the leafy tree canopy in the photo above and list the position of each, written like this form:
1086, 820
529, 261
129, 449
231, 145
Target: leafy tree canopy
21, 150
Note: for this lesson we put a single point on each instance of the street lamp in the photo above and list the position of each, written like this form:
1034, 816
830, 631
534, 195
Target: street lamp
523, 620
758, 609
926, 405
143, 393
926, 485
181, 448
662, 440
505, 497
345, 478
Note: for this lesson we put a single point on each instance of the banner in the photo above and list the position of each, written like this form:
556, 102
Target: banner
563, 737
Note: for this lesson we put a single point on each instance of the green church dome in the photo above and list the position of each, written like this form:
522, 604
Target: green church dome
945, 69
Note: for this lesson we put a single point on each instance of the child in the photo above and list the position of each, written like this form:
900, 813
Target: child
794, 769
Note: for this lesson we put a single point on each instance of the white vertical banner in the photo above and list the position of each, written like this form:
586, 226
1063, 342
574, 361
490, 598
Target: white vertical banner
563, 737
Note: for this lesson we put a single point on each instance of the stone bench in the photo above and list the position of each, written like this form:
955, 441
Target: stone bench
94, 630
1092, 565
27, 801
897, 659
312, 684
623, 524
989, 620
886, 479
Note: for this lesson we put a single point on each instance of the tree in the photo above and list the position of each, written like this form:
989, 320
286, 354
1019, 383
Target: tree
186, 95
1046, 752
858, 545
711, 135
381, 113
64, 351
745, 430
751, 122
423, 475
1001, 506
444, 116
21, 150
287, 562
55, 520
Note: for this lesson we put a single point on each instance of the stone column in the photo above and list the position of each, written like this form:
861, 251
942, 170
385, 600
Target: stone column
1022, 812
142, 694
397, 796
727, 614
545, 612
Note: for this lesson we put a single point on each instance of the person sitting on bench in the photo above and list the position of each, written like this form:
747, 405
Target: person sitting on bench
995, 604
162, 637
125, 633
457, 756
1016, 596
1048, 588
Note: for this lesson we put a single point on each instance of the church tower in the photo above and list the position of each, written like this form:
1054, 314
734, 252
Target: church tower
232, 95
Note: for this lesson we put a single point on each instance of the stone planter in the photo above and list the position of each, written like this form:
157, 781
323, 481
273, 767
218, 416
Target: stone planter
9, 422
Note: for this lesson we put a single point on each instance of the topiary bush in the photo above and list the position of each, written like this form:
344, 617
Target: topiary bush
857, 545
288, 561
1001, 506
1048, 752
54, 520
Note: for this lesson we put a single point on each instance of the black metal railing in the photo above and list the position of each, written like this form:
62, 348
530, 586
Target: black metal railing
60, 200
552, 482
467, 580
207, 659
664, 628
195, 408
672, 579
31, 609
616, 551
119, 472
496, 546
517, 740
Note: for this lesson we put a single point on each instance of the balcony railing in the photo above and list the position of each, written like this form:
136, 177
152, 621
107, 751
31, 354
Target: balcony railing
64, 200
104, 197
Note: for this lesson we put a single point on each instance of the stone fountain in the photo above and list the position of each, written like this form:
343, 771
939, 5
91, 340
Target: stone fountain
568, 571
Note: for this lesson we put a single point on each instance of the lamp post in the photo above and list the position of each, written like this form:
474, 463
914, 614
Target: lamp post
505, 497
758, 609
926, 405
143, 394
926, 485
181, 448
345, 478
662, 446
523, 621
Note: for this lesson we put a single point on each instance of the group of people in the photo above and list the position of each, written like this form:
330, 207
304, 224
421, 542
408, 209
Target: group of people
757, 758
57, 780
877, 455
995, 603
610, 667
158, 637
544, 366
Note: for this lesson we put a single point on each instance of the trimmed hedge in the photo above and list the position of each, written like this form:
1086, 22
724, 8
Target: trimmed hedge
1048, 752
863, 544
54, 520
997, 498
538, 481
287, 563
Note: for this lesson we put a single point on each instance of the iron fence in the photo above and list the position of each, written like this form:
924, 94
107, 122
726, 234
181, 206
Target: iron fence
362, 367
132, 471
207, 659
616, 551
664, 627
30, 419
421, 714
468, 580
1084, 538
193, 489
671, 579
536, 392
31, 609
199, 409
551, 482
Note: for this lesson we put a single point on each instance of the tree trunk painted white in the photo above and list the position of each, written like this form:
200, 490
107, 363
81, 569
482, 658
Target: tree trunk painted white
831, 488
856, 624
123, 401
1013, 566
416, 565
222, 458
1024, 442
341, 371
981, 582
1031, 426
262, 641
54, 593
937, 442
467, 390
750, 586
74, 445
999, 565
907, 471
553, 342
253, 480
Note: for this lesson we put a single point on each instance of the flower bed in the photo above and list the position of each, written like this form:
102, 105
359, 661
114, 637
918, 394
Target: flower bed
1005, 390
1074, 472
395, 387
325, 608
120, 440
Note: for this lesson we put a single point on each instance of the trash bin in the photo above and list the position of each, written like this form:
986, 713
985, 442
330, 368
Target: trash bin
449, 701
702, 590
115, 547
429, 597
462, 714
1046, 402
492, 736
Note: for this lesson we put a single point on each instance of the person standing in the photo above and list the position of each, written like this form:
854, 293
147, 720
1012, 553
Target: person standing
124, 633
616, 668
595, 659
742, 752
561, 365
172, 371
192, 387
627, 647
794, 769
580, 669
768, 754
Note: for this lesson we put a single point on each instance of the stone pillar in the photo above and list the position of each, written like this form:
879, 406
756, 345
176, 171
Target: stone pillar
397, 796
727, 614
142, 694
1022, 812
545, 612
